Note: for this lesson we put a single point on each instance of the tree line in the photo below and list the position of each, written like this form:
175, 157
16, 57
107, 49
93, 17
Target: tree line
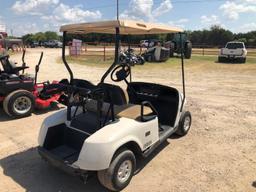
40, 37
216, 36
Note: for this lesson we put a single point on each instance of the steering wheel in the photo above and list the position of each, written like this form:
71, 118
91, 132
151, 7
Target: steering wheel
120, 73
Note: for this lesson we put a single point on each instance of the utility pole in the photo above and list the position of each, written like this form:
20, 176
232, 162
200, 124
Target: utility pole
117, 9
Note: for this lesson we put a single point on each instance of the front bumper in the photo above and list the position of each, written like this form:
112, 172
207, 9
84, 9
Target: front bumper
60, 164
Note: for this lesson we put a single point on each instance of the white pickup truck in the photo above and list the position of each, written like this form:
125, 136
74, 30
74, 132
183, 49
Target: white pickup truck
233, 51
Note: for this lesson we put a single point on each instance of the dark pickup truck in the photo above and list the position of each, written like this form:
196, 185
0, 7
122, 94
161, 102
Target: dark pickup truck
9, 43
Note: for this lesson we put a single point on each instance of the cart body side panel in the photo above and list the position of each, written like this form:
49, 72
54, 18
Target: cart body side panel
52, 120
99, 149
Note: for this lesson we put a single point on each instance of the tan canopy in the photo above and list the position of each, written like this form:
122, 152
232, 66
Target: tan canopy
126, 27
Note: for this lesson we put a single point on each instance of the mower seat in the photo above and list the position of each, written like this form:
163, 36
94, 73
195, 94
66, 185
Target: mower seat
10, 67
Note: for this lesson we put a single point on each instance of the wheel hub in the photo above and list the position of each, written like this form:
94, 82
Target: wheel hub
22, 105
124, 171
186, 123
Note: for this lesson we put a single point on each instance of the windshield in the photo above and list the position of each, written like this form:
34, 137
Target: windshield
235, 46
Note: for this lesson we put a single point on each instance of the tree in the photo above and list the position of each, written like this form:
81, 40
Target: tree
28, 38
39, 37
50, 35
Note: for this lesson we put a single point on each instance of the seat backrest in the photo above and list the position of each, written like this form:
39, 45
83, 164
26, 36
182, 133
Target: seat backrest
6, 65
113, 94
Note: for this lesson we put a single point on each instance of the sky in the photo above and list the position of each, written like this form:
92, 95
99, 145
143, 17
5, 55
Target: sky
19, 17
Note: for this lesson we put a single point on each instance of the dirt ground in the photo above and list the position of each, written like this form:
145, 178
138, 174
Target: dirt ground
218, 154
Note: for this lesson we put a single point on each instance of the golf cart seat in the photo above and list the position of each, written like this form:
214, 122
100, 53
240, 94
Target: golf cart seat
10, 67
135, 112
113, 94
165, 100
114, 103
83, 83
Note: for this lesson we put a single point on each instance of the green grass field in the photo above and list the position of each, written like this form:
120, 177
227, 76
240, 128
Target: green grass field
97, 61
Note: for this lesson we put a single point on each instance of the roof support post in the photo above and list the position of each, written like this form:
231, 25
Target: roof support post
182, 70
116, 61
64, 56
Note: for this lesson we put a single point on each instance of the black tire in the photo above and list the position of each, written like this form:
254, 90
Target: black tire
243, 60
220, 59
141, 60
172, 49
188, 50
10, 102
109, 177
149, 58
13, 47
183, 129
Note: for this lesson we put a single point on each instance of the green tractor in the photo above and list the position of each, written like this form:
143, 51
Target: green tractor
176, 44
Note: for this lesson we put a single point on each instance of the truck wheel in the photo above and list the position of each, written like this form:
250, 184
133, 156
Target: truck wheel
120, 171
13, 47
184, 124
243, 60
220, 59
19, 103
188, 50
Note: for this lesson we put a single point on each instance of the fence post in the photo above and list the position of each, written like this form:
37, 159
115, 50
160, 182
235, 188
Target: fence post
76, 49
104, 52
203, 50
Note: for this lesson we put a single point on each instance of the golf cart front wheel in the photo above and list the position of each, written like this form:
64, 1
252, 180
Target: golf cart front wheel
19, 103
120, 171
184, 124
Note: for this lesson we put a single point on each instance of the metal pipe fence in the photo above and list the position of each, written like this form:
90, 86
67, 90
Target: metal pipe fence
105, 50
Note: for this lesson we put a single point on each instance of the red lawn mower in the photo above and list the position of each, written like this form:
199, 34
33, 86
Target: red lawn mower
20, 93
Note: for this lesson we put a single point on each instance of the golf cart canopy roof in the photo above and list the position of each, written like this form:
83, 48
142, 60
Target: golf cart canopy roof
126, 27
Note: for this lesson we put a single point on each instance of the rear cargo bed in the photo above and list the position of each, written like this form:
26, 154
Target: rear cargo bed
64, 143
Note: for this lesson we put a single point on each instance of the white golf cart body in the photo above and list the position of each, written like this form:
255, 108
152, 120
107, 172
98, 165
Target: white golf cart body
72, 140
98, 149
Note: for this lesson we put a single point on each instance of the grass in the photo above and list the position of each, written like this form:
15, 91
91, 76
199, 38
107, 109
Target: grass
97, 61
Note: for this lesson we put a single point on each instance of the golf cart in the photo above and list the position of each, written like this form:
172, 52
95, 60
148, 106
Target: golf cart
20, 93
100, 131
156, 54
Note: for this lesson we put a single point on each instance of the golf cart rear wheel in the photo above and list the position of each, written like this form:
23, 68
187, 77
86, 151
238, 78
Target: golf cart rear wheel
184, 124
19, 103
120, 171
